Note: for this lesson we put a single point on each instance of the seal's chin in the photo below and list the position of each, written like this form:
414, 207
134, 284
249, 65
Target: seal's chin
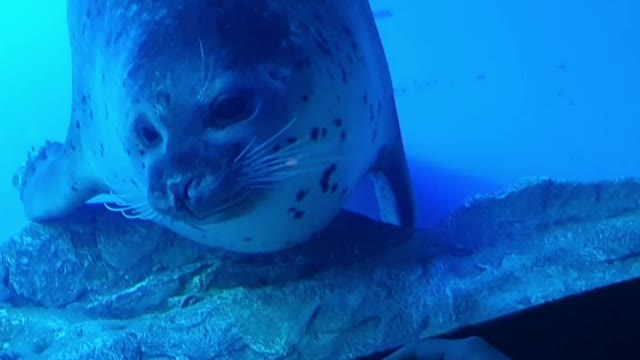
202, 200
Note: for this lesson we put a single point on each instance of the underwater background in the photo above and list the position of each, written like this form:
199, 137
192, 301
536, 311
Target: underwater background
488, 92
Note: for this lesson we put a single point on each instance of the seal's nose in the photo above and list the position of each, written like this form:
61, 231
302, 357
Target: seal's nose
180, 193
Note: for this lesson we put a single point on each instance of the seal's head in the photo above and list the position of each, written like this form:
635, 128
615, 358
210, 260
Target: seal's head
214, 89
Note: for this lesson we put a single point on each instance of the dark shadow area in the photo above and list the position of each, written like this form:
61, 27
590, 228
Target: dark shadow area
438, 191
600, 324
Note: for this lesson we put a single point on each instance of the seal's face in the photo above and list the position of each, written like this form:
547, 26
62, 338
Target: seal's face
213, 87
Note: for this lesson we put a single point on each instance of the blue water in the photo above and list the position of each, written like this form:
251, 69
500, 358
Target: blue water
488, 92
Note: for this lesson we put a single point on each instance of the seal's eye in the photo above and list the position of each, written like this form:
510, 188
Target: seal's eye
231, 108
147, 134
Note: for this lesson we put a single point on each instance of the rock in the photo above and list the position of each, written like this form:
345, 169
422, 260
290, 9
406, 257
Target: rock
99, 286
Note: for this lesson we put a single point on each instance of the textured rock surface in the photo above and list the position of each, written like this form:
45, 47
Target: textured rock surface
103, 287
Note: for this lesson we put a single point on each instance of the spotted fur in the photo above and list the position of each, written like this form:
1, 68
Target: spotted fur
148, 133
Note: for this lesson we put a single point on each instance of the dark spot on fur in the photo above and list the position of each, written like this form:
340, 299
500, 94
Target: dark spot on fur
354, 46
315, 132
343, 135
372, 115
343, 74
142, 152
365, 99
334, 188
276, 148
326, 178
324, 132
301, 195
337, 122
305, 98
322, 43
248, 239
73, 147
74, 188
83, 99
274, 76
296, 213
164, 98
291, 140
288, 242
77, 124
302, 63
343, 192
318, 16
349, 35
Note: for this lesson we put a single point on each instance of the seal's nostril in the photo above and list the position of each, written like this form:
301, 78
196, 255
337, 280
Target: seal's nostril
187, 190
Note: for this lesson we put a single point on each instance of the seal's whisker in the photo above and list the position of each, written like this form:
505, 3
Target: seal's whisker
132, 205
244, 151
267, 181
292, 153
294, 156
206, 74
278, 168
268, 152
231, 202
204, 81
138, 211
271, 139
202, 60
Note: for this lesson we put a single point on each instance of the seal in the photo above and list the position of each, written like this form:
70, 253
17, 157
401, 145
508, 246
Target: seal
240, 124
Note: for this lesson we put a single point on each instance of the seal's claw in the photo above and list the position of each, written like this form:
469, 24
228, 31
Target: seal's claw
35, 157
53, 182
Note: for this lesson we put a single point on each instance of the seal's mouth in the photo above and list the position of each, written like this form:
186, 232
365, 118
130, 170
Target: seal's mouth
202, 199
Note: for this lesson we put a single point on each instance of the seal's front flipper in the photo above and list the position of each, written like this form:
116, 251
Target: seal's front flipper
50, 183
393, 186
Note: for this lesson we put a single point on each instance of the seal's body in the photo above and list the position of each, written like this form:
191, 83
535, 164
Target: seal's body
241, 124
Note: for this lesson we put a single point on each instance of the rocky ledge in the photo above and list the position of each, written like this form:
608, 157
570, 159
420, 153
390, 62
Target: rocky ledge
98, 286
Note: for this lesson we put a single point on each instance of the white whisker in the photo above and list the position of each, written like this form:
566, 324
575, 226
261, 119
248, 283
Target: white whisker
131, 204
206, 74
271, 139
246, 148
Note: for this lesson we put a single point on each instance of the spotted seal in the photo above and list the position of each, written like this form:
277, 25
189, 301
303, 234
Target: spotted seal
241, 124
